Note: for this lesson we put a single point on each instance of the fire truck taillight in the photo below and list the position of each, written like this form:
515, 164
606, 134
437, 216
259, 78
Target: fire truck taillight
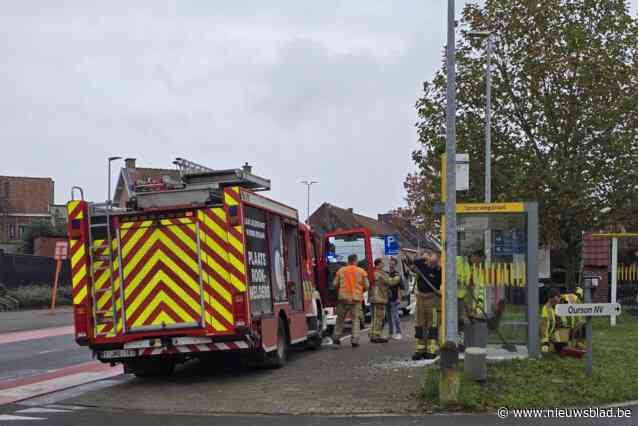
75, 230
233, 216
239, 308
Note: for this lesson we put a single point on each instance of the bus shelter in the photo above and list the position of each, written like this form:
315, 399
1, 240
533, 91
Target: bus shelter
497, 257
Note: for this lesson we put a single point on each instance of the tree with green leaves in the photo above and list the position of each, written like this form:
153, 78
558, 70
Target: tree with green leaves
564, 120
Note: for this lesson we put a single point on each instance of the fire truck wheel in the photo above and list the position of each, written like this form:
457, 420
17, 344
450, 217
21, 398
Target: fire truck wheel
277, 358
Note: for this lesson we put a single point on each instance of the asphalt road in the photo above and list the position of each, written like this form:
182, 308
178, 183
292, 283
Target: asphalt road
35, 319
31, 357
76, 415
375, 379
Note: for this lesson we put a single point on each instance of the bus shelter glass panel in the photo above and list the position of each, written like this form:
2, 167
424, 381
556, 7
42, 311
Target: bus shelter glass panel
492, 266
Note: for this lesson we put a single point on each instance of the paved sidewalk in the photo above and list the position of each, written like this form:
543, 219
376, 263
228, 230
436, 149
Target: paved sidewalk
35, 319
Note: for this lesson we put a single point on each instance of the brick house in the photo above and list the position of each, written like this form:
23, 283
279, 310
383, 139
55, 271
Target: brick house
23, 201
329, 218
597, 259
130, 174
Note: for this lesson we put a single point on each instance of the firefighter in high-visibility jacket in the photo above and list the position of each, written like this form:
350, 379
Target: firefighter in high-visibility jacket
351, 282
550, 339
575, 323
463, 277
475, 289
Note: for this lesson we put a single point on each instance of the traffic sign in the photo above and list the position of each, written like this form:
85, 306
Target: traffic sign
587, 309
391, 245
61, 250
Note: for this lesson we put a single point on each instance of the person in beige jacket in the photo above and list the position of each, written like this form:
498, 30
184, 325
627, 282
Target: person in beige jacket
379, 298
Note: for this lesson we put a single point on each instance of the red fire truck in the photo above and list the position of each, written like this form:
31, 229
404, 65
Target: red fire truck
193, 267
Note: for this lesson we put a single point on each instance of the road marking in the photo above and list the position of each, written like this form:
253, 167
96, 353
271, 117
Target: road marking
18, 390
36, 410
20, 336
8, 417
52, 350
63, 395
67, 407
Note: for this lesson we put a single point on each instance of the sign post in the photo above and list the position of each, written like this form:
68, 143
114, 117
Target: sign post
614, 275
588, 330
61, 253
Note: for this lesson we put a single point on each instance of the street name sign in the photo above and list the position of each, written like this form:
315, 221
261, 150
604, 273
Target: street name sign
587, 309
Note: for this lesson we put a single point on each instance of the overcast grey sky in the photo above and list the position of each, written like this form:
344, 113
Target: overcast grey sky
301, 90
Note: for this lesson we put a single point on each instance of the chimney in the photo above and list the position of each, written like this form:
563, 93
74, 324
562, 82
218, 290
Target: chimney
350, 210
384, 217
247, 168
129, 163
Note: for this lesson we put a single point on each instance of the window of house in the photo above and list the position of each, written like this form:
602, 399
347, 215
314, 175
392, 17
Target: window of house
22, 229
12, 232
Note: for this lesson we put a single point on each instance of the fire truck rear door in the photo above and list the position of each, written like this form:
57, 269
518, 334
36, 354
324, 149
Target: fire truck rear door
162, 274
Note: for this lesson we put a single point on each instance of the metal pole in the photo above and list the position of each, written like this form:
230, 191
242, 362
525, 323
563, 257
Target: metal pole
588, 331
450, 380
450, 204
308, 205
614, 275
308, 185
108, 198
488, 123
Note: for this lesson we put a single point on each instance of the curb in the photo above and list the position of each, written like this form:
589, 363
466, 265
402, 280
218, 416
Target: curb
621, 404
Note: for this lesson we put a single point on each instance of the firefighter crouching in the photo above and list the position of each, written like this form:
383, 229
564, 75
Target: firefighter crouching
551, 340
351, 282
576, 324
379, 298
428, 305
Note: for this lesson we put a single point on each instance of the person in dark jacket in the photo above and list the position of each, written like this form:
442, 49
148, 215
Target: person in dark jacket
428, 302
392, 308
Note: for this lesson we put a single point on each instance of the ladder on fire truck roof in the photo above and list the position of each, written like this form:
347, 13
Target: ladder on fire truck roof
187, 167
100, 262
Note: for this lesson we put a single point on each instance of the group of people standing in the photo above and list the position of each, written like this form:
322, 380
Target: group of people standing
351, 283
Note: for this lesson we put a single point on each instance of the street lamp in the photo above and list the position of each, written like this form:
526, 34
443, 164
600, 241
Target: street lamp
488, 111
108, 199
308, 184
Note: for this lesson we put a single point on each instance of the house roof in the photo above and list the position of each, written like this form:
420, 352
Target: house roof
26, 195
353, 220
329, 218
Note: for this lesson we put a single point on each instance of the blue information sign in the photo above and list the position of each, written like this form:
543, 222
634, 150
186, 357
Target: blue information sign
391, 245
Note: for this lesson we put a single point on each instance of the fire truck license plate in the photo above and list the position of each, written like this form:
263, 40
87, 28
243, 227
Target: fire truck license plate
118, 353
